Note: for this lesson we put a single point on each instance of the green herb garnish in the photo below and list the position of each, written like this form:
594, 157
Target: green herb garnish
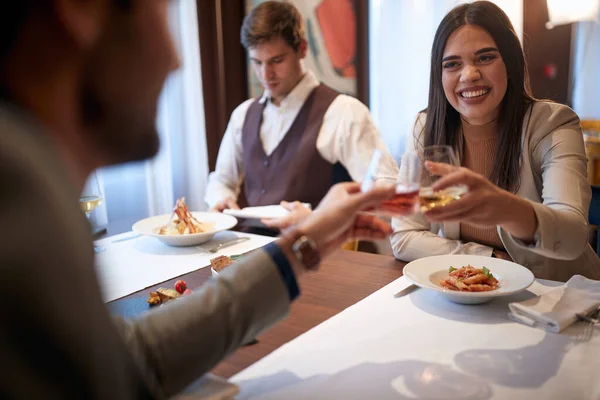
451, 269
487, 272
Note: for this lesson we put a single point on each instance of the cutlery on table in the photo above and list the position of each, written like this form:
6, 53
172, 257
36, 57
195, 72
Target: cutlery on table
591, 320
126, 238
591, 316
228, 243
409, 289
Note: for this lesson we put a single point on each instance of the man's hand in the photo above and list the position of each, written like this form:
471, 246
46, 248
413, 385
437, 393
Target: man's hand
337, 218
225, 204
297, 213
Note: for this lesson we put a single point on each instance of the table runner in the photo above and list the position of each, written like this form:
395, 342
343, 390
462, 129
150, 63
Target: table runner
126, 266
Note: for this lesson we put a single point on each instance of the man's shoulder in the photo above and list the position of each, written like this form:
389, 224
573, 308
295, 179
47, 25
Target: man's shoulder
349, 106
240, 111
19, 141
28, 153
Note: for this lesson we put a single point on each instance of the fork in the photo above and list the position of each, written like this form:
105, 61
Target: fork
590, 319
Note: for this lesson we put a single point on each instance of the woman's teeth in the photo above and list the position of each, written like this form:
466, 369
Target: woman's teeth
475, 93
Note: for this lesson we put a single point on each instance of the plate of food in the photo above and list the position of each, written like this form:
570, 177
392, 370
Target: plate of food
469, 279
184, 227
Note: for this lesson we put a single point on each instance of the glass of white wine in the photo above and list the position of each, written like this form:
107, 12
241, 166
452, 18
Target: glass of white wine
429, 198
90, 199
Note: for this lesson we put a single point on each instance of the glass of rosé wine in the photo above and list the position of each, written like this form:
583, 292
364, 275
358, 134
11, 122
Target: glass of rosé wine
407, 183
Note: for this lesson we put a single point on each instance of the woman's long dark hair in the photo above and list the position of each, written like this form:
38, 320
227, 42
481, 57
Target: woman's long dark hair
443, 123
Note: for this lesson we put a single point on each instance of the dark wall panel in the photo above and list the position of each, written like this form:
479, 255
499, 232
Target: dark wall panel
223, 60
545, 50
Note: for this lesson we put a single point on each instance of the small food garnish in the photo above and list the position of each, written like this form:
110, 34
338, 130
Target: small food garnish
451, 269
167, 294
180, 286
220, 262
154, 299
162, 295
487, 272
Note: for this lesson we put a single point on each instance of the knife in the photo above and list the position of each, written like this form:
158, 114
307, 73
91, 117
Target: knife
228, 243
406, 290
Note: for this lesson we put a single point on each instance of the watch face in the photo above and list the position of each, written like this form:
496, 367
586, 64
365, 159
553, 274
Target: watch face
306, 251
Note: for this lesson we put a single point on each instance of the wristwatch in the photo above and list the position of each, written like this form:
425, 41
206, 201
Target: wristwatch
305, 250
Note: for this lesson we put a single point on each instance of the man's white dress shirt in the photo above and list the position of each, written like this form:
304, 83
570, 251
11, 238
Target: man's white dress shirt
348, 135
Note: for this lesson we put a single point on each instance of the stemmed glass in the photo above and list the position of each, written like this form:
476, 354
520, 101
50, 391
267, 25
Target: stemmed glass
407, 183
90, 199
429, 198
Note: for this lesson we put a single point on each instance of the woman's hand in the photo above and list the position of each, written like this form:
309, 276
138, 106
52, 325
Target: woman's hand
485, 204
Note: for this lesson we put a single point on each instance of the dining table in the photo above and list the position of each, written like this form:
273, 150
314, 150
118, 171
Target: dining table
342, 281
358, 332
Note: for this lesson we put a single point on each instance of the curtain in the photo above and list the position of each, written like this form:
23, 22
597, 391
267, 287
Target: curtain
400, 40
586, 70
137, 190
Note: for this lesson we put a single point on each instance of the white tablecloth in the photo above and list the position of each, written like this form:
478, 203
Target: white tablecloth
422, 346
126, 266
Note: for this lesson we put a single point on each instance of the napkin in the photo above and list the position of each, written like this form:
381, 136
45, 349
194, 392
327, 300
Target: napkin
555, 310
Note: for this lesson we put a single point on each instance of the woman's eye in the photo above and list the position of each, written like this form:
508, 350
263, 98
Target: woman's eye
451, 64
487, 57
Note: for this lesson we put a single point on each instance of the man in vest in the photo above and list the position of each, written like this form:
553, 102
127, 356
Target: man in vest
300, 136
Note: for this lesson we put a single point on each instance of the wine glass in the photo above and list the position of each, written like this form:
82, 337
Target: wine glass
90, 199
429, 198
407, 183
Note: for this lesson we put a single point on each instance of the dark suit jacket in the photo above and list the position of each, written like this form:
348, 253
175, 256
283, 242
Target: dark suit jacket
57, 338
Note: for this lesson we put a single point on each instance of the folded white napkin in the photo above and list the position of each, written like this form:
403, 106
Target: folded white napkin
555, 310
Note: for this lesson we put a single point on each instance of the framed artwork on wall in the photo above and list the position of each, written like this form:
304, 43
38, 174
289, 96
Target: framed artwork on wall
332, 30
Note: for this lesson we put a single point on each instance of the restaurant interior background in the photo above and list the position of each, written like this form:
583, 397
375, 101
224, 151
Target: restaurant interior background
386, 67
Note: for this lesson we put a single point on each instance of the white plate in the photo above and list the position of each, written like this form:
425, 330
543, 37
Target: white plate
428, 272
261, 212
150, 227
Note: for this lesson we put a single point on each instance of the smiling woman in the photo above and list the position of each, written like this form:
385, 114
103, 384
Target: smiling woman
522, 159
477, 48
